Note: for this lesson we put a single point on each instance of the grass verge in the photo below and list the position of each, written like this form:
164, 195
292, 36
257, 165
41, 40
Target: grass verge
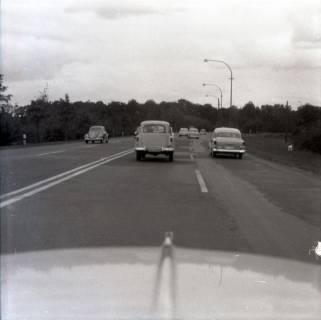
274, 148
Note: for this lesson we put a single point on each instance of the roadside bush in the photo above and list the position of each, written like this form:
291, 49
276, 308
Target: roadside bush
307, 134
309, 138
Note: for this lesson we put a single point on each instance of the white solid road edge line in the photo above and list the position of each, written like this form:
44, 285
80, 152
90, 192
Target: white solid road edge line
49, 185
36, 184
201, 181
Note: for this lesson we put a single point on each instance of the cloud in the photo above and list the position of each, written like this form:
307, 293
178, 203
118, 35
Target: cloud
306, 29
96, 49
39, 58
113, 12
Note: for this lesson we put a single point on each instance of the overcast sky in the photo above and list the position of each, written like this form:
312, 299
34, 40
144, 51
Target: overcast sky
122, 50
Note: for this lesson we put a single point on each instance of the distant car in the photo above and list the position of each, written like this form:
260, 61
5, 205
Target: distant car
227, 141
97, 134
193, 133
154, 137
183, 132
203, 132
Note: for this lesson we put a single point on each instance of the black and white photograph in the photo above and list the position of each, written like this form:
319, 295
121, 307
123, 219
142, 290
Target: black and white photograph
160, 159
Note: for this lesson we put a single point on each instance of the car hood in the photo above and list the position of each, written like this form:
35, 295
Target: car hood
156, 283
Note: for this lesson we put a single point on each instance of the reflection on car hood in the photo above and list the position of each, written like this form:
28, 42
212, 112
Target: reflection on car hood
156, 283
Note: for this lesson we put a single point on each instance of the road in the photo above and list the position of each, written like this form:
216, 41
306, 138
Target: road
76, 195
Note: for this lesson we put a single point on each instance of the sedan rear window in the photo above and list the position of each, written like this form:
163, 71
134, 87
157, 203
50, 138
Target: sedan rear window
228, 135
95, 129
154, 128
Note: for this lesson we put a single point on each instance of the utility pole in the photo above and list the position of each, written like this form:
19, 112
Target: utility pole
287, 122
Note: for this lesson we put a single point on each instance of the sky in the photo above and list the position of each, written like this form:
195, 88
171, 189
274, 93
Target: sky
117, 50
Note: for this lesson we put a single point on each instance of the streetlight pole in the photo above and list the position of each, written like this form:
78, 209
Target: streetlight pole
218, 100
219, 88
231, 72
219, 110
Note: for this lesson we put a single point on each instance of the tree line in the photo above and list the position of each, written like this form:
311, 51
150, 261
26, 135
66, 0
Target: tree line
43, 120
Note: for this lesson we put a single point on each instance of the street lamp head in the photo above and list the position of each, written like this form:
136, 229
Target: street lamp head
204, 84
205, 60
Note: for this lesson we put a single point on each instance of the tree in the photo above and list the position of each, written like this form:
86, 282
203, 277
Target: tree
4, 98
36, 114
8, 130
65, 116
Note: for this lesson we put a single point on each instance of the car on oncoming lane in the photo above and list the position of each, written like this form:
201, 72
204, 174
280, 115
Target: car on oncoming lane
193, 133
203, 132
227, 141
154, 137
97, 134
183, 132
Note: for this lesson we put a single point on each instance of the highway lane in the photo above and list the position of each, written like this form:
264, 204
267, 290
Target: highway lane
23, 166
246, 206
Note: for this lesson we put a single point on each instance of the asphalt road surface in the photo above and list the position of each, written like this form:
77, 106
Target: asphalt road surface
74, 195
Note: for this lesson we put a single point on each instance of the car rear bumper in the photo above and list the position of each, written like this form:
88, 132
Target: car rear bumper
219, 150
155, 150
98, 139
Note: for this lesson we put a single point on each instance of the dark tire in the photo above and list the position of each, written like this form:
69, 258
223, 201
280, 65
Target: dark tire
86, 141
138, 156
171, 157
107, 140
240, 156
101, 141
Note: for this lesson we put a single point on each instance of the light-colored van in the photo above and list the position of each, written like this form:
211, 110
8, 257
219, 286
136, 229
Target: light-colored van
154, 137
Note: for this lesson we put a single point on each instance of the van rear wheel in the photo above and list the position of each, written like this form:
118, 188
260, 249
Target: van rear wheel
171, 156
138, 156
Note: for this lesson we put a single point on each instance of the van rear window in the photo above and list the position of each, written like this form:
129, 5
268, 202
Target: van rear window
154, 128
